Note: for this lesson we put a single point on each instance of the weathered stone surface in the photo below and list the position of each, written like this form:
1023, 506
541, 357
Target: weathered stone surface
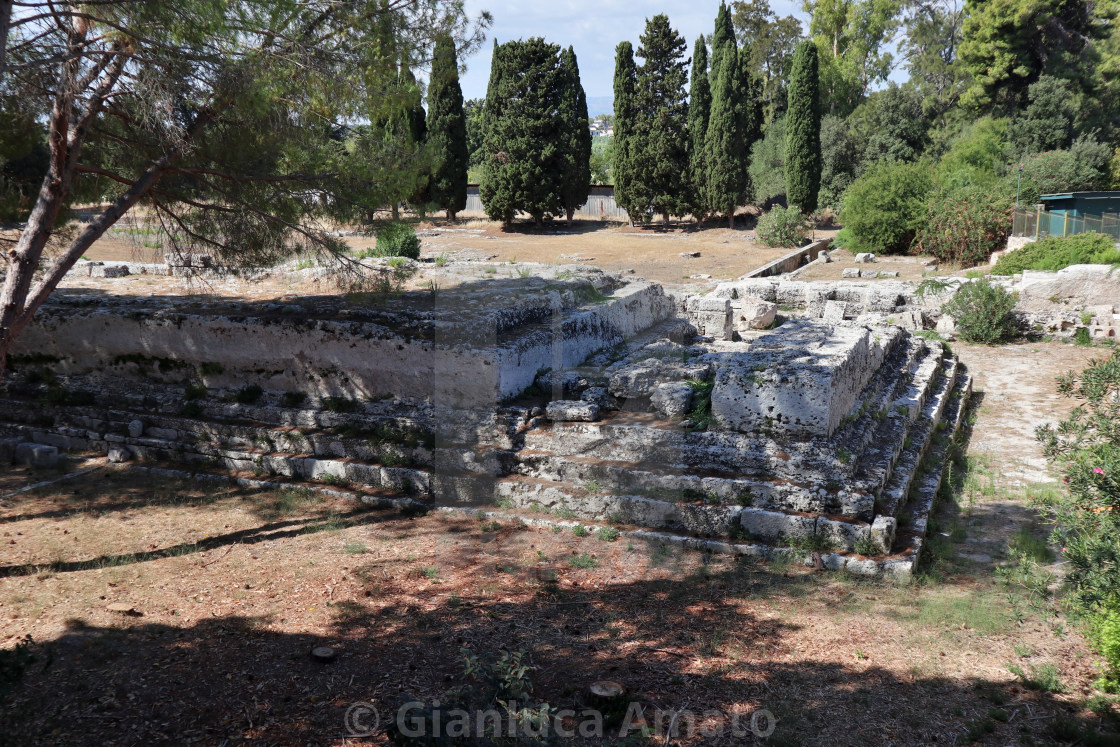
1080, 285
883, 532
8, 449
36, 455
639, 379
672, 399
841, 534
572, 410
864, 257
888, 273
108, 271
804, 377
869, 274
835, 311
119, 454
755, 314
850, 272
136, 428
946, 327
712, 316
775, 526
600, 396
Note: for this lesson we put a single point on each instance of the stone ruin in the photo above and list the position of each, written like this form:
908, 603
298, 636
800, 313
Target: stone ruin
765, 416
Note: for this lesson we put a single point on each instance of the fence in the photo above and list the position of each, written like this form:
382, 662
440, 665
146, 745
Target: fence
1039, 224
600, 204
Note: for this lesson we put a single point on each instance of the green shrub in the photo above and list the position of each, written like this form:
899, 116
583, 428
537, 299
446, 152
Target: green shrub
885, 207
785, 227
982, 311
1056, 252
1084, 166
397, 240
1087, 518
964, 226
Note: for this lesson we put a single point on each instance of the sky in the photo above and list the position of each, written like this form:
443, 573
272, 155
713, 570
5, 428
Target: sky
594, 28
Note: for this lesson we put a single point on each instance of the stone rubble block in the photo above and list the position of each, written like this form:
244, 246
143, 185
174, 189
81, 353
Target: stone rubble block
755, 314
108, 271
888, 273
804, 377
869, 274
566, 410
119, 454
36, 455
600, 396
712, 316
850, 272
883, 532
776, 526
639, 379
672, 400
8, 449
841, 534
864, 257
835, 311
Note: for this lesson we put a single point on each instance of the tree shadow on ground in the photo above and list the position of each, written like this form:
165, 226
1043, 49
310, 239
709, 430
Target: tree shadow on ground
233, 678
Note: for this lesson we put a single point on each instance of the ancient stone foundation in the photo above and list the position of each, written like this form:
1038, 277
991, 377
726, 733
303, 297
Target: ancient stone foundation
598, 398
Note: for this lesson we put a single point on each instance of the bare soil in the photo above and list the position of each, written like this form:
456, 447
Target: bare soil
223, 593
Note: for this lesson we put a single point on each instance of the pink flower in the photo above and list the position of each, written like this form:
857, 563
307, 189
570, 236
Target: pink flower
1063, 550
1098, 471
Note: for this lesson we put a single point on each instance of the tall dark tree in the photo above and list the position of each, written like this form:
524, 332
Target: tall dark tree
1047, 122
447, 131
524, 165
724, 143
803, 130
659, 145
576, 138
625, 114
723, 36
699, 111
770, 41
418, 135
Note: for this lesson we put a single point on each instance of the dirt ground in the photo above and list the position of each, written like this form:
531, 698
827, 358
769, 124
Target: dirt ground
653, 252
222, 594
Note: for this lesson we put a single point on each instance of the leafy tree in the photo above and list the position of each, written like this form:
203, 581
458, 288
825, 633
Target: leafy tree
699, 112
1084, 166
768, 163
965, 225
576, 136
227, 122
472, 113
416, 126
1047, 122
626, 192
771, 42
1009, 44
602, 160
726, 143
525, 165
803, 130
977, 157
884, 209
851, 36
841, 158
657, 145
891, 125
447, 130
933, 33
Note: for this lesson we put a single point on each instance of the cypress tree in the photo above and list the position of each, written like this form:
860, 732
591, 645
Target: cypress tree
447, 130
625, 93
418, 133
699, 110
524, 163
576, 141
659, 148
750, 117
724, 144
803, 130
723, 37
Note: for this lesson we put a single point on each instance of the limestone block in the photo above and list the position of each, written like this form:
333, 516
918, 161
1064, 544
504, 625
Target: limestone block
850, 272
37, 455
712, 317
883, 532
108, 271
708, 520
888, 273
835, 311
841, 534
164, 434
755, 314
119, 454
561, 384
599, 395
805, 376
136, 428
672, 400
864, 257
639, 379
572, 410
946, 327
869, 274
776, 526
